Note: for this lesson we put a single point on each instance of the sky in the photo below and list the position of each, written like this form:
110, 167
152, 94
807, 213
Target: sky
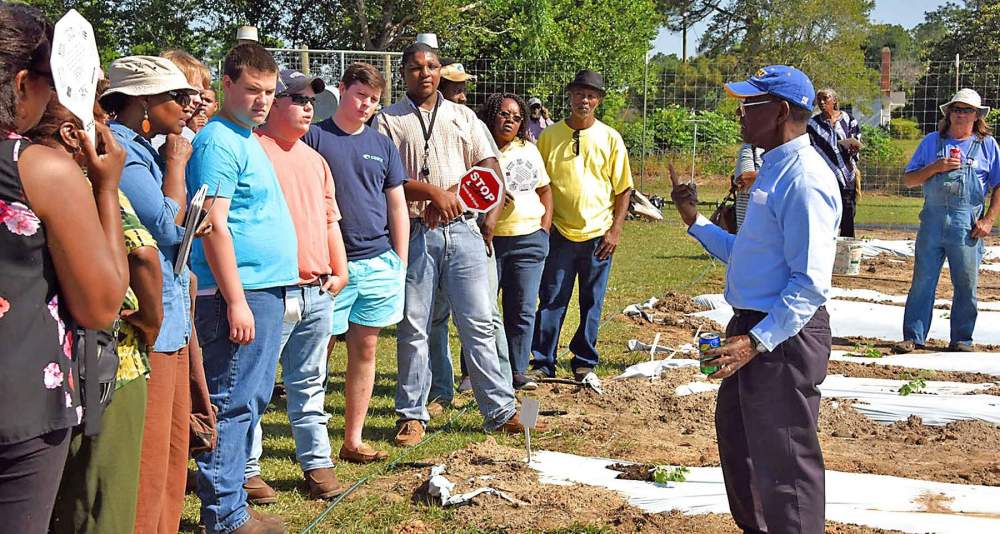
907, 13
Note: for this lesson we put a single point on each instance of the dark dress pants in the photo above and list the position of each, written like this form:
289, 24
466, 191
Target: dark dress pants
765, 420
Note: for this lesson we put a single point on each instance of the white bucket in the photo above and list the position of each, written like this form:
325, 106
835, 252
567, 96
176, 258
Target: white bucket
848, 259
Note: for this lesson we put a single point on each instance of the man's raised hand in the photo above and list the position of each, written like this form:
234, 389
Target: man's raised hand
684, 196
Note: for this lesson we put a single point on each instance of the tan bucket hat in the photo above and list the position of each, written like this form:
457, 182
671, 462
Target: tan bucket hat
967, 96
144, 76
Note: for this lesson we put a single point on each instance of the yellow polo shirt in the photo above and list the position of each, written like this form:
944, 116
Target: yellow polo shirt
584, 186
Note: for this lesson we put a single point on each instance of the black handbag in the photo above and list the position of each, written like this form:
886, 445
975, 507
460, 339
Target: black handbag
96, 353
725, 215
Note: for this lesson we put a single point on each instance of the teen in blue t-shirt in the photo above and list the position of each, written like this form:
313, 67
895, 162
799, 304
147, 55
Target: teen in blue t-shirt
368, 175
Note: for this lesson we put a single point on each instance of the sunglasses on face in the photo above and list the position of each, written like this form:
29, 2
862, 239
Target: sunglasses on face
509, 116
301, 100
745, 105
180, 97
963, 111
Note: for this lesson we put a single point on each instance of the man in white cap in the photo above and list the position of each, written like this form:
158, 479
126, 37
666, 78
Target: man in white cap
957, 166
538, 119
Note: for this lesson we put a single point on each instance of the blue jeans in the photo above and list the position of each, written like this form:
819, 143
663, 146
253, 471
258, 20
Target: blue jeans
567, 262
450, 261
944, 233
442, 371
303, 368
240, 380
520, 260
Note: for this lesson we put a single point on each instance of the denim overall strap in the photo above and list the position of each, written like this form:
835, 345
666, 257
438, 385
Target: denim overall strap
956, 189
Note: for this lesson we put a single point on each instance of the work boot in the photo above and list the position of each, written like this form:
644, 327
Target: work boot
905, 346
323, 483
514, 426
409, 433
265, 517
465, 385
256, 526
258, 492
536, 375
960, 347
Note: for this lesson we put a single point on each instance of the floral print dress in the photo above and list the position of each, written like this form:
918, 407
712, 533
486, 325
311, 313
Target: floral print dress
38, 384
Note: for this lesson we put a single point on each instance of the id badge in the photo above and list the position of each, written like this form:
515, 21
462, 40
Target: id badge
293, 310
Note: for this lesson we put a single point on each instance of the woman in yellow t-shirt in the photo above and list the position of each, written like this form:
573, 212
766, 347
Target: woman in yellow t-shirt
521, 237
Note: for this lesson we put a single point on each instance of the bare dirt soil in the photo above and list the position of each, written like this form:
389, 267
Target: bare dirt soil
536, 506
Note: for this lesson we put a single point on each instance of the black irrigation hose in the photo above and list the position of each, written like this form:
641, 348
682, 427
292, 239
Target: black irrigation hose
391, 465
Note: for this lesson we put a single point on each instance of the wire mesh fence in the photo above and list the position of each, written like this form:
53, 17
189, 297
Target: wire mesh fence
680, 111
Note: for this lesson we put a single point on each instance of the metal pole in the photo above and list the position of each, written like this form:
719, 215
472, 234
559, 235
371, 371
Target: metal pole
956, 72
642, 157
343, 64
694, 150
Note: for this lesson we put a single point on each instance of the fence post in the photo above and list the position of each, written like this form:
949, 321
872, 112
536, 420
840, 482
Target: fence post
387, 70
645, 86
343, 65
957, 70
304, 60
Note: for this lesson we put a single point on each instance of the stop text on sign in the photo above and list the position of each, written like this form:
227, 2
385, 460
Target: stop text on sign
480, 190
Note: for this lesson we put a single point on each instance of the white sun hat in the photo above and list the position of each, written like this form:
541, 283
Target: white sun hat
967, 96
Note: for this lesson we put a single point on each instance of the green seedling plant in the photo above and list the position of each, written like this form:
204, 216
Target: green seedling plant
914, 384
664, 473
866, 351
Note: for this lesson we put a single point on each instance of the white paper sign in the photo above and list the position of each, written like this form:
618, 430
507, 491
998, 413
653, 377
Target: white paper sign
529, 412
76, 66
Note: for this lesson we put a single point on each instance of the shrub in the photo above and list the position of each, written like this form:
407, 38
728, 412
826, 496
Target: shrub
880, 157
904, 129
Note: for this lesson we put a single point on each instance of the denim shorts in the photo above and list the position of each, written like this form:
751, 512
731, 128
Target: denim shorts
373, 295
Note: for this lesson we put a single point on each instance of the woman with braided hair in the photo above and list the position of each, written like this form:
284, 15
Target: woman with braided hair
521, 237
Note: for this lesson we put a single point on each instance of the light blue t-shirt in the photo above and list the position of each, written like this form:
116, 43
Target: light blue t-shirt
986, 164
229, 157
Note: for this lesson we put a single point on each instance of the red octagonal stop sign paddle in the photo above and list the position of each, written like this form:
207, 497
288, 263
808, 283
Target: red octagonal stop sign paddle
480, 190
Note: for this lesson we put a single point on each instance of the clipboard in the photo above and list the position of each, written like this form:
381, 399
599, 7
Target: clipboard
195, 216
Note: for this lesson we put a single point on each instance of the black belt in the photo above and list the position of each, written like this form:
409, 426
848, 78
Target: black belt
463, 217
755, 313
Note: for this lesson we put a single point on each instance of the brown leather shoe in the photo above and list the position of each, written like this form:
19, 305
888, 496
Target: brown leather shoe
256, 526
323, 483
266, 518
362, 455
514, 426
409, 433
435, 408
258, 492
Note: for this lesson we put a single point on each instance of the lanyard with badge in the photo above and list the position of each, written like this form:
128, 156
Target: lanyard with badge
427, 131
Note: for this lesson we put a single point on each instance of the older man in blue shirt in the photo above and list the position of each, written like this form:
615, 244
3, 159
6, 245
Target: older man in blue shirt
777, 345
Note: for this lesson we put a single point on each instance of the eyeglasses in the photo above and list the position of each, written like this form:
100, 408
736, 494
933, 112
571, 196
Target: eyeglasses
745, 105
963, 111
576, 142
301, 100
508, 116
182, 98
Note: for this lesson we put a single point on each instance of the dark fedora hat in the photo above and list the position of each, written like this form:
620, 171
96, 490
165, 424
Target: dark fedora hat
588, 78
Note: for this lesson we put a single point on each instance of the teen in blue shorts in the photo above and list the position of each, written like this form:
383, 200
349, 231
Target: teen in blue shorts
375, 224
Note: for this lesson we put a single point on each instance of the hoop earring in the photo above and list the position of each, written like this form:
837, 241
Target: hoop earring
146, 126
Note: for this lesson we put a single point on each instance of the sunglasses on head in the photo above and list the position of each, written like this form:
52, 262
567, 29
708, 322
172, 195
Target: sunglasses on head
300, 100
509, 116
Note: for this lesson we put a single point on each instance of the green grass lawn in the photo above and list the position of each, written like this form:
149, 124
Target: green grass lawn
652, 259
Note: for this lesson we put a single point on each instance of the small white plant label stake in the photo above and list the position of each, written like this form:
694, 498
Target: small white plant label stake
529, 416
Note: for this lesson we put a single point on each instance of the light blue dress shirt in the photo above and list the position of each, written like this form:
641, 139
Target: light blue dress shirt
781, 261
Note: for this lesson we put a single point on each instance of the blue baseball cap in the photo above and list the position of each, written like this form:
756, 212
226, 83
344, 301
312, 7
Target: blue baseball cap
787, 83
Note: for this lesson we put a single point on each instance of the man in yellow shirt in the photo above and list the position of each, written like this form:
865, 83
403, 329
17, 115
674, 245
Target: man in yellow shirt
591, 185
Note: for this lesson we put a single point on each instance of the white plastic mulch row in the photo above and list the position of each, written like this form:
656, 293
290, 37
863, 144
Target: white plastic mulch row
855, 498
878, 296
966, 362
866, 319
938, 403
905, 248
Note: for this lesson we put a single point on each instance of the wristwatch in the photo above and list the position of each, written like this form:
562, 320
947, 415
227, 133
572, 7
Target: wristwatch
757, 345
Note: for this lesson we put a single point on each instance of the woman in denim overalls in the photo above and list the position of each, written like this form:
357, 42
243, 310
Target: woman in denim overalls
957, 166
